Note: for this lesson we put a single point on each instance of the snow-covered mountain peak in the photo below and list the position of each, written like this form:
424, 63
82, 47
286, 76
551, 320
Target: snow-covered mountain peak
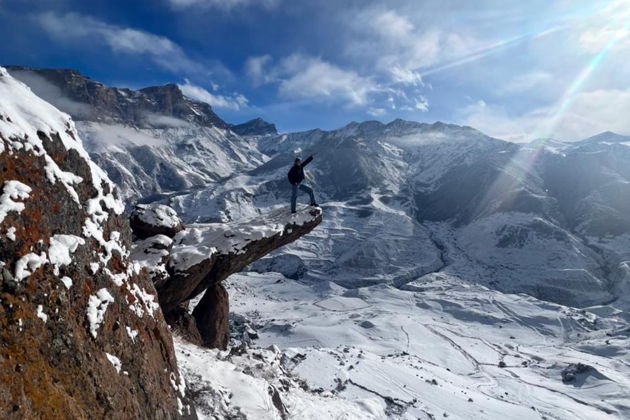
607, 137
151, 141
88, 100
254, 127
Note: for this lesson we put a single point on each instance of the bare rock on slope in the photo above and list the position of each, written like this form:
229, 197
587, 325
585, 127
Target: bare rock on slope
212, 317
81, 333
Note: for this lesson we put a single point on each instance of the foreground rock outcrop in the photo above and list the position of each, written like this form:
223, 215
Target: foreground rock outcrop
81, 332
198, 258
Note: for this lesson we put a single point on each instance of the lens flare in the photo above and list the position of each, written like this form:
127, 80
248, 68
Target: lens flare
490, 49
514, 175
569, 96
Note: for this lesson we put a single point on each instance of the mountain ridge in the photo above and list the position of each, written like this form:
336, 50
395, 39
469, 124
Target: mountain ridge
95, 101
432, 173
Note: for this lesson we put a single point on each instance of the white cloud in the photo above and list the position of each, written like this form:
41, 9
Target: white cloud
53, 94
305, 77
422, 104
165, 121
257, 69
376, 112
235, 101
610, 23
590, 113
527, 82
394, 45
222, 4
79, 28
311, 77
495, 121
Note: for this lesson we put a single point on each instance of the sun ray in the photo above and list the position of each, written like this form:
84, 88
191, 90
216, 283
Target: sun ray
488, 50
514, 174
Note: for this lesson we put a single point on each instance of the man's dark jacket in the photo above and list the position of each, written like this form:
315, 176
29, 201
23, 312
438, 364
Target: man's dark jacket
296, 173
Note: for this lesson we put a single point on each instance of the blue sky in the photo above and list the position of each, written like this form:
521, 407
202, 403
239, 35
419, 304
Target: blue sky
514, 69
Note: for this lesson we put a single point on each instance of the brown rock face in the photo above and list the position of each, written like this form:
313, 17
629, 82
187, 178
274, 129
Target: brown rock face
212, 316
184, 324
81, 334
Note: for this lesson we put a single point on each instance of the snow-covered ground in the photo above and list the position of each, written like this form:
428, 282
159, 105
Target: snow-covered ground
416, 316
440, 348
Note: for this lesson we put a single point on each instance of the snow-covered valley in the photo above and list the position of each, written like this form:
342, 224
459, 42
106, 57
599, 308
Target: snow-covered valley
441, 348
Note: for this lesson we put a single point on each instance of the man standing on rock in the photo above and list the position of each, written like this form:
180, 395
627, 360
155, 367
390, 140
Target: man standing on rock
296, 176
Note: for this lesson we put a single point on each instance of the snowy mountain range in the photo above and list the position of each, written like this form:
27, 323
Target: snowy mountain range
438, 224
149, 141
404, 199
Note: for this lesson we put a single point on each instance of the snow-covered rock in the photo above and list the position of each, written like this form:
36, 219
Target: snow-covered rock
155, 219
200, 257
68, 289
291, 266
205, 254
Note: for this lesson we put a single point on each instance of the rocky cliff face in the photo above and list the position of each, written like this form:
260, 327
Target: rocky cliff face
88, 100
198, 258
151, 141
81, 332
255, 127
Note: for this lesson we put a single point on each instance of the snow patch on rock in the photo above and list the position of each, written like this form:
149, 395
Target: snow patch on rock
67, 281
115, 361
97, 306
40, 313
61, 246
158, 215
11, 233
26, 265
11, 191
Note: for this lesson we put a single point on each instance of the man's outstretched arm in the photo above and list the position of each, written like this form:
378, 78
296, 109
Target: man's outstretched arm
307, 161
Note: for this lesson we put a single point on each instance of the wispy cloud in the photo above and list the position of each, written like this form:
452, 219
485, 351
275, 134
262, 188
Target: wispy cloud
222, 4
301, 76
376, 112
257, 69
235, 101
53, 94
393, 44
73, 27
591, 113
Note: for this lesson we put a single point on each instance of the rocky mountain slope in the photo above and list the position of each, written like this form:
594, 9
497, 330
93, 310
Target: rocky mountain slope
149, 141
407, 199
255, 127
89, 100
82, 334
